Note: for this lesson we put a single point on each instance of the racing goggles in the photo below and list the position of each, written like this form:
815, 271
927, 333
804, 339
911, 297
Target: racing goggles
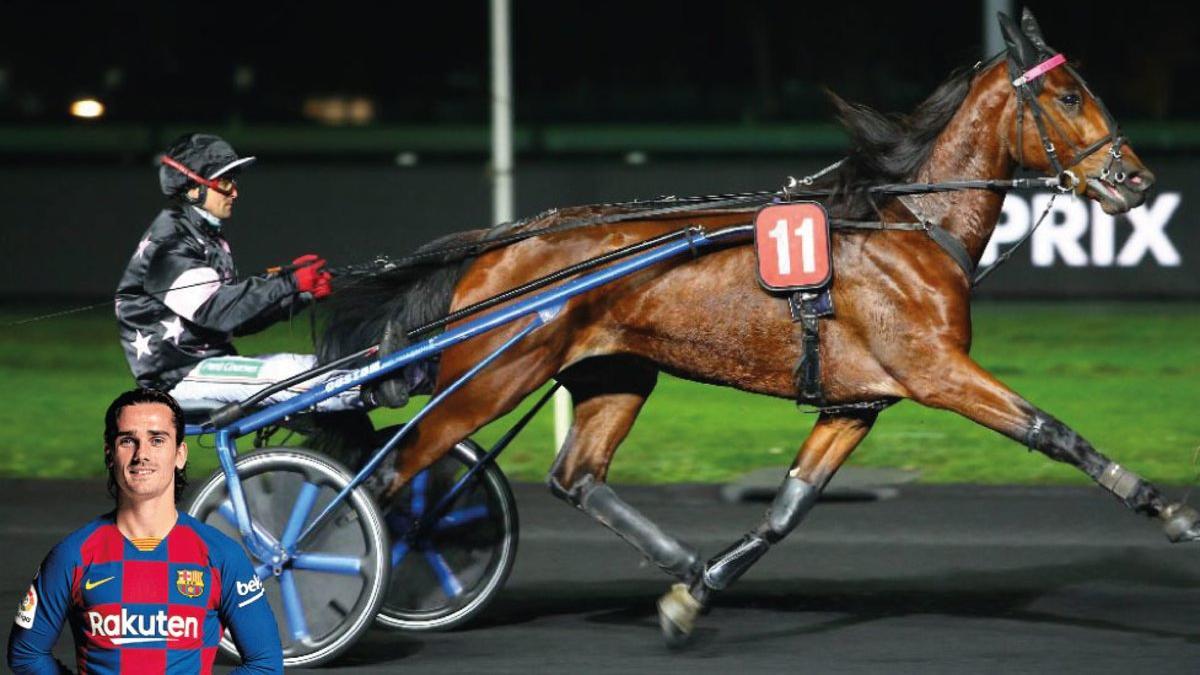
224, 185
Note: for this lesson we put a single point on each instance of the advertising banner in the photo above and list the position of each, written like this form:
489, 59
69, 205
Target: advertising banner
69, 230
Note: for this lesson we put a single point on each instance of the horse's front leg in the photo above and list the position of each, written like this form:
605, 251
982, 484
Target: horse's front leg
955, 382
827, 447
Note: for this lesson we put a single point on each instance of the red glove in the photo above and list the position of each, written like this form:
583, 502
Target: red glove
310, 278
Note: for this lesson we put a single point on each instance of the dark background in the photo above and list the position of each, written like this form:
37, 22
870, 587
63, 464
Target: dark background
612, 62
614, 101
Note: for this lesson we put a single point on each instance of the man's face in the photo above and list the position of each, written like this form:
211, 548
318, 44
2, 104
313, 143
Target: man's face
218, 204
146, 453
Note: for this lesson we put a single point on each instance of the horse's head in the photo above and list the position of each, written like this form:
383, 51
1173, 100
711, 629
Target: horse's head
1061, 127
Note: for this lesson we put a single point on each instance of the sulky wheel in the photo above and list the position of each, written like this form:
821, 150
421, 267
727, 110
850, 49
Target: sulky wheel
326, 595
445, 573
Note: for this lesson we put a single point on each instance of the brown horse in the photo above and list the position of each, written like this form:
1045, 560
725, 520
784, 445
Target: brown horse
902, 327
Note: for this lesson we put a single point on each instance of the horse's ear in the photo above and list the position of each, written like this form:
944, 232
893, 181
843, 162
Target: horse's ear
1031, 29
1022, 54
1020, 48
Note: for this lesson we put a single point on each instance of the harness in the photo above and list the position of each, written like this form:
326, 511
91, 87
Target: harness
808, 307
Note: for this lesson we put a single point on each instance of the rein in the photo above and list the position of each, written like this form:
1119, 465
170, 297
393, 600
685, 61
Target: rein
794, 189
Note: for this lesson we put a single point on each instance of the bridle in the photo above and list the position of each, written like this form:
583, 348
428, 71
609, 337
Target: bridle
1027, 86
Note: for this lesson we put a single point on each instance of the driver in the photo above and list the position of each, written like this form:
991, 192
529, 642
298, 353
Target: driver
180, 301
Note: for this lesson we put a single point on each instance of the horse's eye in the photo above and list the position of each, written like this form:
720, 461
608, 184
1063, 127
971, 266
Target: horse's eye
1070, 100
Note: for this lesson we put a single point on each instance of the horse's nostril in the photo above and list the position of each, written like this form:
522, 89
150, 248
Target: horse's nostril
1140, 180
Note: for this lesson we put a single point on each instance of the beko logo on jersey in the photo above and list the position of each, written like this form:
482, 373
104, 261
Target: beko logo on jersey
126, 628
253, 588
248, 587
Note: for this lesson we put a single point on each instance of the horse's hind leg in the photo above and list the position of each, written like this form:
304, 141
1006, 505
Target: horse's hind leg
959, 384
608, 394
830, 443
494, 392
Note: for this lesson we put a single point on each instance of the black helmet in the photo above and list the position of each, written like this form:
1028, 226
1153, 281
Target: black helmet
197, 159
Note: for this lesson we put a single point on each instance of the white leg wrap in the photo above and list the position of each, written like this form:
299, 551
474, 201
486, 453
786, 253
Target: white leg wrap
1119, 481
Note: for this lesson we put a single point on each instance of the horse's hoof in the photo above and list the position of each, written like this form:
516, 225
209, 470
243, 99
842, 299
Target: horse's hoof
677, 611
1181, 523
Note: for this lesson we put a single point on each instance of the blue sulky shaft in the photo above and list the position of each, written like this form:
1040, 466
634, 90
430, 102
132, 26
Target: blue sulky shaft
439, 343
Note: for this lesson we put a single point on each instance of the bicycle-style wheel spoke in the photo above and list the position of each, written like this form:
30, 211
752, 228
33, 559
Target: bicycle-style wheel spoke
420, 483
293, 608
399, 550
451, 586
461, 517
328, 563
299, 515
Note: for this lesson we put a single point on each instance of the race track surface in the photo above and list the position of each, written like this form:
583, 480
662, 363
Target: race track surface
958, 579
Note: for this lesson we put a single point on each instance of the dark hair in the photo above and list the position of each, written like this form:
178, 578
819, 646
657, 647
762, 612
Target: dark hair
135, 397
889, 148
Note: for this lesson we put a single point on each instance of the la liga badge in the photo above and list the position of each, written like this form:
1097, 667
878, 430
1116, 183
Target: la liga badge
27, 609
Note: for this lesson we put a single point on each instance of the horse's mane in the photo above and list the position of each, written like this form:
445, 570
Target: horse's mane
888, 148
884, 149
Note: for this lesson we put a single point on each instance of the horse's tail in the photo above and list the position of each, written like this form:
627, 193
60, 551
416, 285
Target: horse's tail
363, 305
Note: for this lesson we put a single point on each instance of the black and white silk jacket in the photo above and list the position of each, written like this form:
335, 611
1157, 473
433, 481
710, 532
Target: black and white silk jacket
180, 302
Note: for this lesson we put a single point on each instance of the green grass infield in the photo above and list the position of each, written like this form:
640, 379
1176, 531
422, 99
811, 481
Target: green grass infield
1123, 375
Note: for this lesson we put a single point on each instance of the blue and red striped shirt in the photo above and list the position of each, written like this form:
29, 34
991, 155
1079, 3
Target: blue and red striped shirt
157, 611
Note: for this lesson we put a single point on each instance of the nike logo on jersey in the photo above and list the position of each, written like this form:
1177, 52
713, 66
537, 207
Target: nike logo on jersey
89, 585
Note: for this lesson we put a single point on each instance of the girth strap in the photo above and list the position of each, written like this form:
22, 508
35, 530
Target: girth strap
807, 307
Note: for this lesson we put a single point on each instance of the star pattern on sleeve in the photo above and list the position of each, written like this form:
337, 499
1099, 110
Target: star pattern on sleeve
174, 330
141, 249
142, 344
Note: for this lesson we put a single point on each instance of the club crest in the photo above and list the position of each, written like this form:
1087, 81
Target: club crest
190, 583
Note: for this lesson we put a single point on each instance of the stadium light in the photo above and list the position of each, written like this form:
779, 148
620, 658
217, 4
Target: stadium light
87, 108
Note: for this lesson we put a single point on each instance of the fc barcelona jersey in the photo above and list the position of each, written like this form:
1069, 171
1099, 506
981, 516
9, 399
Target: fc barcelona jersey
156, 611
